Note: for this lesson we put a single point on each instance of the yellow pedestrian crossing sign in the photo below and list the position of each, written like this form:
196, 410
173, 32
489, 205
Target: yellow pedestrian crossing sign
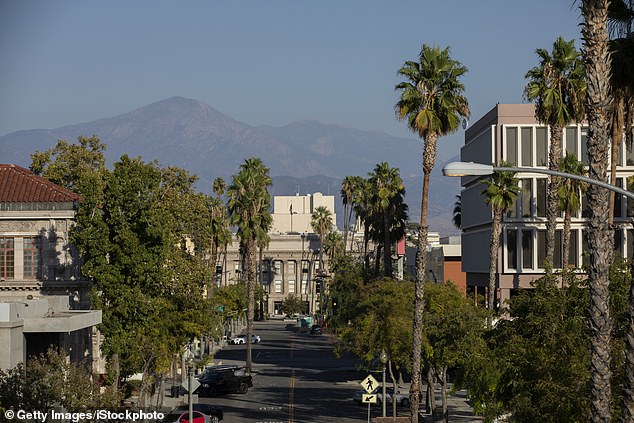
368, 398
369, 384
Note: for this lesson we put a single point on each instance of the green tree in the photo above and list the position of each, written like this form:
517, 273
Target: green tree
293, 304
596, 59
432, 101
347, 191
389, 210
321, 222
569, 198
500, 194
249, 210
557, 86
334, 246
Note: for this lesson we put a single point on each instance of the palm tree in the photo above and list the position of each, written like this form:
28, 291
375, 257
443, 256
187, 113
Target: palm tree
569, 194
321, 222
219, 227
600, 237
347, 190
333, 245
388, 193
249, 208
433, 103
219, 186
457, 212
500, 194
557, 86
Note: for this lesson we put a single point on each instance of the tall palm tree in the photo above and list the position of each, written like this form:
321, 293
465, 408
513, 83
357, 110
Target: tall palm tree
219, 186
219, 227
500, 194
569, 194
433, 103
557, 86
347, 191
388, 192
249, 208
457, 212
600, 238
321, 222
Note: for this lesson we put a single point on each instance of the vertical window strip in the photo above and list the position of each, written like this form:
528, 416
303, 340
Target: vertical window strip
31, 254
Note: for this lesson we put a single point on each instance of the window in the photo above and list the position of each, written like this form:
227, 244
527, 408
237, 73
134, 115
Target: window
511, 146
278, 286
527, 197
7, 255
511, 243
573, 256
541, 248
291, 286
31, 257
557, 260
629, 154
291, 267
541, 197
584, 146
618, 200
527, 146
541, 146
304, 286
571, 141
527, 249
618, 243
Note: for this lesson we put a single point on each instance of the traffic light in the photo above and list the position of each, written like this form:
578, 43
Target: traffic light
334, 306
318, 285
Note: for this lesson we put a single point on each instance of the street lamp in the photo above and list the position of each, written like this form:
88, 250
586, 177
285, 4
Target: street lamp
479, 169
189, 360
383, 358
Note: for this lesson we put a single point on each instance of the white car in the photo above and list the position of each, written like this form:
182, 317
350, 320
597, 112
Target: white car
242, 339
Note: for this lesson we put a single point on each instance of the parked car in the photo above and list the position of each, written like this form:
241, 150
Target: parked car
401, 398
315, 330
212, 411
183, 417
242, 339
225, 380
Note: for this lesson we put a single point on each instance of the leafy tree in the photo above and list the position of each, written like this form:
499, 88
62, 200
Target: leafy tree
596, 59
293, 304
557, 86
569, 195
432, 101
334, 245
500, 194
249, 209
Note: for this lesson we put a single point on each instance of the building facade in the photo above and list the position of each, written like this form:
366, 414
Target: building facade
511, 133
43, 298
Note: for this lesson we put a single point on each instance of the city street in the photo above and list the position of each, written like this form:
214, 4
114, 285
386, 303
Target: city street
297, 379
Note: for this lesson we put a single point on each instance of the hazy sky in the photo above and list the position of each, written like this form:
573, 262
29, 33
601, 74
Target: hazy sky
260, 62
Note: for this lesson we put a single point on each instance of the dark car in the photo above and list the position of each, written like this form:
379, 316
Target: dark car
315, 330
182, 411
224, 380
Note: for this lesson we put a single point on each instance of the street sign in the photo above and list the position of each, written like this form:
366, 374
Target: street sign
368, 398
369, 384
195, 385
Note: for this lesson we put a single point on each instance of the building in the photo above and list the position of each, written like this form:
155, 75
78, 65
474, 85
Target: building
510, 132
290, 263
43, 298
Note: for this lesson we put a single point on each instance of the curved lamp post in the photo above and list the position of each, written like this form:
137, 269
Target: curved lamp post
479, 169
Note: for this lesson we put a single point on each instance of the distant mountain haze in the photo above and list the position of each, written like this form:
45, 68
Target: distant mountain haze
304, 156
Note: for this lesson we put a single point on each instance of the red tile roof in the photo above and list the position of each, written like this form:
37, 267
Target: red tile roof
20, 185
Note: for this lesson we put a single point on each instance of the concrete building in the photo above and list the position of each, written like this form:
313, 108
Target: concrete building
510, 132
43, 297
290, 263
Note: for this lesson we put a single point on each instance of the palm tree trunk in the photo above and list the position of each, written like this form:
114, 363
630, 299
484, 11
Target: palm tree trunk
387, 248
597, 65
251, 275
566, 245
617, 138
552, 208
346, 224
496, 228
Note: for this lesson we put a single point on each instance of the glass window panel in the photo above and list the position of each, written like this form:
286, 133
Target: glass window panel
630, 244
572, 252
527, 146
585, 208
571, 141
7, 258
291, 286
511, 146
511, 248
527, 249
512, 211
278, 286
527, 197
584, 145
541, 248
541, 197
618, 242
541, 146
584, 248
31, 257
629, 154
618, 200
558, 250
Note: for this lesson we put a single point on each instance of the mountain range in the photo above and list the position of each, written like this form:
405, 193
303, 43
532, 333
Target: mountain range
303, 157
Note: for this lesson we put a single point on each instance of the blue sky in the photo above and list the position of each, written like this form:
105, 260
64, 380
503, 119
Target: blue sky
260, 62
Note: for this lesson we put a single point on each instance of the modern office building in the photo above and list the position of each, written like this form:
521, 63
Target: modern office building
43, 298
511, 133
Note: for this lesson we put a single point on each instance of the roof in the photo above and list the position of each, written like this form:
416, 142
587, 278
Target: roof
20, 185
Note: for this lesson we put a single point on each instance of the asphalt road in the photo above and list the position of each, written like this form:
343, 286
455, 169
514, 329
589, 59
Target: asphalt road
297, 379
